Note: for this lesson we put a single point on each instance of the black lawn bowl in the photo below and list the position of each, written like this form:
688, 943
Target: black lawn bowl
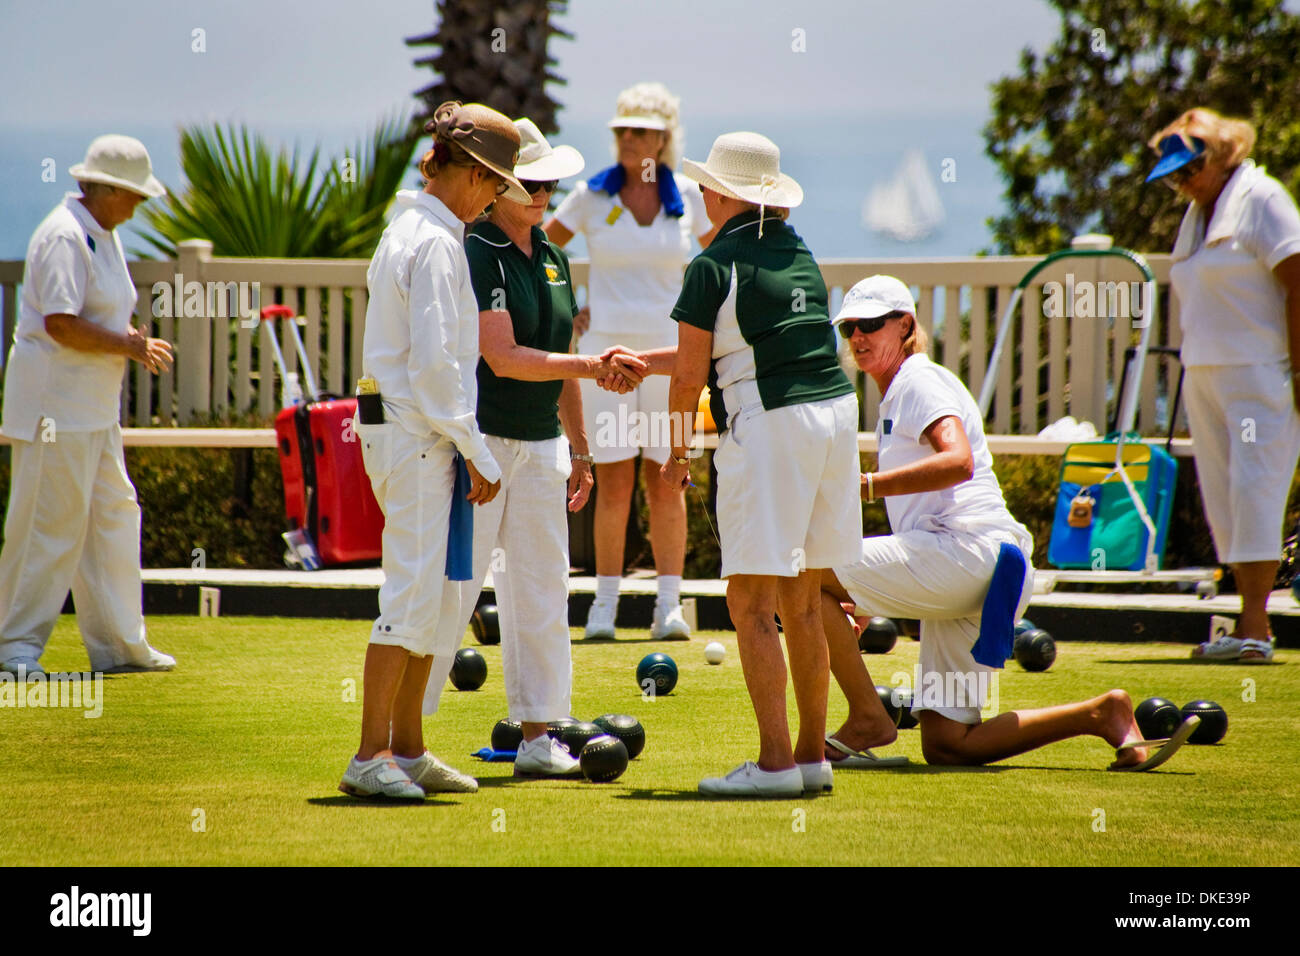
486, 624
1157, 718
1214, 721
878, 637
626, 728
603, 758
1035, 650
469, 670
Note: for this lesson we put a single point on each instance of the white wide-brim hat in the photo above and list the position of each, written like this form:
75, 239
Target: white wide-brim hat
539, 161
875, 296
746, 166
119, 161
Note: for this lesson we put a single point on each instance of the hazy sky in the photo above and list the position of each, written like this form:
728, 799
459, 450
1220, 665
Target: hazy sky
338, 64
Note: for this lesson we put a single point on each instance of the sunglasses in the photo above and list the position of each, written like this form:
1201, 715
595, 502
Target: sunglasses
637, 131
1183, 173
535, 185
867, 326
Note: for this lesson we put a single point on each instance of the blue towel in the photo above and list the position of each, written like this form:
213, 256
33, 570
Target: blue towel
611, 181
998, 619
495, 756
460, 528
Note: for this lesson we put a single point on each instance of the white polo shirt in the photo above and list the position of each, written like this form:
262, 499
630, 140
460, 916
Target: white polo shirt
636, 271
421, 338
1232, 308
74, 267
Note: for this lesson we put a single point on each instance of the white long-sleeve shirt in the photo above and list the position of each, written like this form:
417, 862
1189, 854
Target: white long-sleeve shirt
421, 338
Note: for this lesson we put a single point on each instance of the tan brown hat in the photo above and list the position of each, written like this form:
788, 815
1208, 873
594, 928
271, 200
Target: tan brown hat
486, 135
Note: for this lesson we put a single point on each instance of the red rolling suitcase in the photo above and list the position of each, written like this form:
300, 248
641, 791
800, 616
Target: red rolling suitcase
333, 516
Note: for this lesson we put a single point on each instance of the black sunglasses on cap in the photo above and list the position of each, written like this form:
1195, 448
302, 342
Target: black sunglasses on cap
867, 326
533, 185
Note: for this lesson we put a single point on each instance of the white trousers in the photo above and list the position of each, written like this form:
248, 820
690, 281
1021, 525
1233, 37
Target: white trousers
1247, 439
73, 523
522, 536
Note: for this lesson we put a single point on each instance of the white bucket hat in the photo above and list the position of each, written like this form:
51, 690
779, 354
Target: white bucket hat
746, 166
119, 161
539, 161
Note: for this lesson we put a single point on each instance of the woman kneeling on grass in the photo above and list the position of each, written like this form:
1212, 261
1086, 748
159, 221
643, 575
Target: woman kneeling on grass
957, 560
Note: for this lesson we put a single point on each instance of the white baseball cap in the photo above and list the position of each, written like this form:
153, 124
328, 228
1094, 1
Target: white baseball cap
875, 296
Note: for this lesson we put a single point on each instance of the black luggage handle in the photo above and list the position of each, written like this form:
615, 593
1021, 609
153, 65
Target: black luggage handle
1166, 350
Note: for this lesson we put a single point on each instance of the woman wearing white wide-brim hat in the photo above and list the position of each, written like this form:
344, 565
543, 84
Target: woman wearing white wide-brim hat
753, 321
639, 218
73, 520
530, 411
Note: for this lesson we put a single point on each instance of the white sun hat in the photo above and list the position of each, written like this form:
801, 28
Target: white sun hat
875, 296
119, 161
638, 121
539, 161
746, 166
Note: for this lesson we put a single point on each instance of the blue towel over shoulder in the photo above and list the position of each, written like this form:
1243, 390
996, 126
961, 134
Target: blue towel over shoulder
460, 528
998, 618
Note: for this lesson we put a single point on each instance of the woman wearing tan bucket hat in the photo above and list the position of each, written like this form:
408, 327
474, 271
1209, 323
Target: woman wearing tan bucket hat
73, 520
421, 443
753, 320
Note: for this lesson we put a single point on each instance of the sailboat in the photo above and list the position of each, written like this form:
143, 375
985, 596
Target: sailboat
907, 207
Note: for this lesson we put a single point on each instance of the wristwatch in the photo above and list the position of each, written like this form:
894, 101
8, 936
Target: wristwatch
680, 461
589, 459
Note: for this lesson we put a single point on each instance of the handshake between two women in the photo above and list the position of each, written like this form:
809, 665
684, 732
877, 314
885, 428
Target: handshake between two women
619, 369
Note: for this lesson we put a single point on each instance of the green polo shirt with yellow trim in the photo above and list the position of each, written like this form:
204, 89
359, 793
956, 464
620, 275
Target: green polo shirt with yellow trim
538, 294
765, 303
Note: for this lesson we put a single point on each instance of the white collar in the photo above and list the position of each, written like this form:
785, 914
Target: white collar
1228, 211
436, 207
83, 216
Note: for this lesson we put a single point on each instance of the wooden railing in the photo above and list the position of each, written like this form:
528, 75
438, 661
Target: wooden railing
1060, 365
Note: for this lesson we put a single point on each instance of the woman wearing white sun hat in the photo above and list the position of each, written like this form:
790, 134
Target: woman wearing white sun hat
530, 413
639, 218
753, 320
73, 520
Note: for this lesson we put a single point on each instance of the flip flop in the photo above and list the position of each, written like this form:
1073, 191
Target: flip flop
1167, 747
863, 759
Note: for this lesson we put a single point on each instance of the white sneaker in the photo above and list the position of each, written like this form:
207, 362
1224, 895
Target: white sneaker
670, 624
158, 661
748, 780
379, 777
433, 776
545, 757
1263, 648
600, 621
23, 667
1221, 649
817, 776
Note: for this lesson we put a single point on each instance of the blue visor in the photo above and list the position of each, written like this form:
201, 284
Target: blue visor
1175, 154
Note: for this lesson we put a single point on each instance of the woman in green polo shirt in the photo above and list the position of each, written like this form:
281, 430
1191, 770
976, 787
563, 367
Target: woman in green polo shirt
528, 404
753, 319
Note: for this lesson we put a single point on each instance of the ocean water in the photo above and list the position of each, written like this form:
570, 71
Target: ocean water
836, 163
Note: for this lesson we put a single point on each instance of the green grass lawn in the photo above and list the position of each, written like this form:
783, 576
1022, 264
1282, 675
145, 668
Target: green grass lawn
253, 730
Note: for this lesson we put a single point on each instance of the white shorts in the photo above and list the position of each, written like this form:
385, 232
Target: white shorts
1246, 440
789, 484
942, 578
419, 609
620, 427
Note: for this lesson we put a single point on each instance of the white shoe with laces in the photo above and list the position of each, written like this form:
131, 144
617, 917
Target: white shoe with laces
600, 621
545, 757
748, 780
378, 777
433, 776
670, 624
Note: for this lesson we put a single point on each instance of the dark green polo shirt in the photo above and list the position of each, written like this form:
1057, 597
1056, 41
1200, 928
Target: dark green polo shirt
539, 297
766, 304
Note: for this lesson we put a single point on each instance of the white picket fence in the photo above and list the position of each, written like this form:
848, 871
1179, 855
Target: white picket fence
1061, 365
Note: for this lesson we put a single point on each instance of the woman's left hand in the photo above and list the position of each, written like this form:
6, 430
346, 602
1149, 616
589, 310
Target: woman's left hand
677, 476
580, 485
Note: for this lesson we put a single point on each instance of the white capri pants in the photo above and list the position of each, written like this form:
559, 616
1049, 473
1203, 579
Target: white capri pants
419, 609
522, 536
789, 494
941, 577
73, 523
1246, 441
620, 427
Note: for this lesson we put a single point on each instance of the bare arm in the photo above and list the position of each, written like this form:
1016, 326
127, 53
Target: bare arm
556, 232
708, 237
74, 332
951, 464
690, 373
509, 359
580, 479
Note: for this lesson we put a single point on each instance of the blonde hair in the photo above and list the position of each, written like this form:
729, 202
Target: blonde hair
1227, 141
655, 99
917, 341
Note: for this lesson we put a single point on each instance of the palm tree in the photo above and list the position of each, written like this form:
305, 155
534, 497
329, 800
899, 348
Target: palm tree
493, 52
251, 200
